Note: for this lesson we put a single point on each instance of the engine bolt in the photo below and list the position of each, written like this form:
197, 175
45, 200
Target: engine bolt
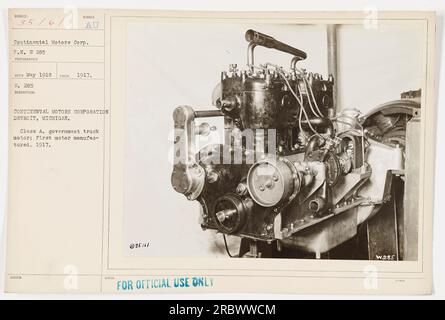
212, 177
275, 178
269, 184
220, 216
261, 188
241, 189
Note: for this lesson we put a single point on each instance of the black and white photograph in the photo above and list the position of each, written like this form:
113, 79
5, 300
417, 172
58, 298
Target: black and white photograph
223, 152
273, 140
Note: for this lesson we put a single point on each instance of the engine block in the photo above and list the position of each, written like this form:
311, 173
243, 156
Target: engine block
291, 171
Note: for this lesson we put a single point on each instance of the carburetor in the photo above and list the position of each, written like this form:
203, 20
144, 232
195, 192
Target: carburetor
291, 171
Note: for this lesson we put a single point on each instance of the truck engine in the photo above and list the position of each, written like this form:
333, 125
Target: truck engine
295, 176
